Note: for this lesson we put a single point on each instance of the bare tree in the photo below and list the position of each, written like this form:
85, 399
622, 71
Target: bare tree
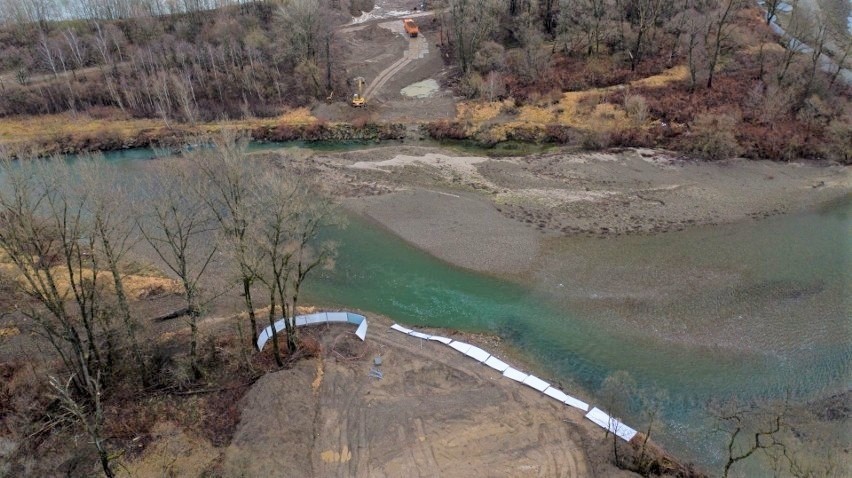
589, 18
719, 33
646, 16
750, 429
180, 228
771, 7
472, 23
115, 236
229, 185
46, 235
89, 415
288, 243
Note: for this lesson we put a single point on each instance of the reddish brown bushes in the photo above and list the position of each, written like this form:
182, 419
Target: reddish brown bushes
444, 129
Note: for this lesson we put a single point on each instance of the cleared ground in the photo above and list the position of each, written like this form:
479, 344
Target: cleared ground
435, 413
378, 50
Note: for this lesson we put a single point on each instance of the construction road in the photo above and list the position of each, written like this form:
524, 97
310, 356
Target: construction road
417, 48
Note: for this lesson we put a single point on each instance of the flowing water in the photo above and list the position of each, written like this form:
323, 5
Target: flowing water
753, 310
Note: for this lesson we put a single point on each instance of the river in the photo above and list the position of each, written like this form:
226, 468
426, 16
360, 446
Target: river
753, 310
767, 310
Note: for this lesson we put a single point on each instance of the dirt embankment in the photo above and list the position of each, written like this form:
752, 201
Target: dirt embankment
434, 413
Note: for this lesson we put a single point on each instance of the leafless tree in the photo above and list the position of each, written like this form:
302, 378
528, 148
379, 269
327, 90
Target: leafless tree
90, 415
287, 238
472, 23
230, 186
646, 16
719, 34
45, 233
750, 429
771, 7
180, 228
113, 222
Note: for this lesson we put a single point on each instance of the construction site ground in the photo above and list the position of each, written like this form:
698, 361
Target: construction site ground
435, 412
379, 50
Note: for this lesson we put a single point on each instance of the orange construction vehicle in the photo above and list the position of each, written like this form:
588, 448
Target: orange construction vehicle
411, 27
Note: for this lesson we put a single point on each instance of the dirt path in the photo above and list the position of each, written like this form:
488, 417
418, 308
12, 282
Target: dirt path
417, 48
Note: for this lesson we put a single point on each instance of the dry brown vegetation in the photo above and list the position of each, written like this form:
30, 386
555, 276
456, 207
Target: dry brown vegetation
710, 79
93, 348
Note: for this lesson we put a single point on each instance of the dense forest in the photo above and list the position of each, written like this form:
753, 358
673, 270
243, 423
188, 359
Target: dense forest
202, 65
744, 90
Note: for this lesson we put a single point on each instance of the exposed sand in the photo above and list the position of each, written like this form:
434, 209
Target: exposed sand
490, 214
460, 228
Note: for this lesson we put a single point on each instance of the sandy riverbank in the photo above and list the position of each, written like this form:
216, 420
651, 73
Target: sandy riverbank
492, 214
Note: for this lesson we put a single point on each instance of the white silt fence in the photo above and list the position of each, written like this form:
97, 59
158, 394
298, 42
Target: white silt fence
316, 319
596, 415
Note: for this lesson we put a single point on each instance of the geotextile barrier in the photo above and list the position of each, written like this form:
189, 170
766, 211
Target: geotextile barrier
597, 416
316, 319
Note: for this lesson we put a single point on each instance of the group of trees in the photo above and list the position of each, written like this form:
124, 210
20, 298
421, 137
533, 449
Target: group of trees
71, 234
508, 36
255, 59
42, 11
783, 96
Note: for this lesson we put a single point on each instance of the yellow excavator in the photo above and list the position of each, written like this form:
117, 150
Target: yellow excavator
358, 99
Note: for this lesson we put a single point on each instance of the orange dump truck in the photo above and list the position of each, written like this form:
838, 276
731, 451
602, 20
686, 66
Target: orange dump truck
410, 27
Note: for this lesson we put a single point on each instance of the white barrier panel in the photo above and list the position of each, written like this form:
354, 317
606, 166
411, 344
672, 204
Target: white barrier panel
515, 375
597, 416
607, 422
443, 340
477, 354
536, 383
420, 335
559, 395
460, 346
361, 331
312, 319
577, 403
496, 364
402, 329
335, 317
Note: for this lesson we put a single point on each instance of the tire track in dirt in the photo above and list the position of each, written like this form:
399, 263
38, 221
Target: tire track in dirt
415, 47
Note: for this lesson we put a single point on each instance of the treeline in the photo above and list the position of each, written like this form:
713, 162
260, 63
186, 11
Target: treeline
253, 59
70, 236
746, 90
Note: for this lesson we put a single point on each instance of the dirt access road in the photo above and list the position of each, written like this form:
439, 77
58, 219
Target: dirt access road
375, 46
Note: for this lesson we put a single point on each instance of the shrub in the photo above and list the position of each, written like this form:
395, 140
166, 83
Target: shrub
838, 144
491, 56
713, 136
471, 85
636, 108
560, 134
444, 129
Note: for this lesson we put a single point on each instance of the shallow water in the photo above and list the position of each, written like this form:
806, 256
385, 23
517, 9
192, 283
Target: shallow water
752, 310
421, 89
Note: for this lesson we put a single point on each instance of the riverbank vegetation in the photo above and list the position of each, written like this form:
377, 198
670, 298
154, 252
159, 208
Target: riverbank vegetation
708, 78
101, 365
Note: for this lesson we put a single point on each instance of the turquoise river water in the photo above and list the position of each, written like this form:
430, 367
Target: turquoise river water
753, 310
